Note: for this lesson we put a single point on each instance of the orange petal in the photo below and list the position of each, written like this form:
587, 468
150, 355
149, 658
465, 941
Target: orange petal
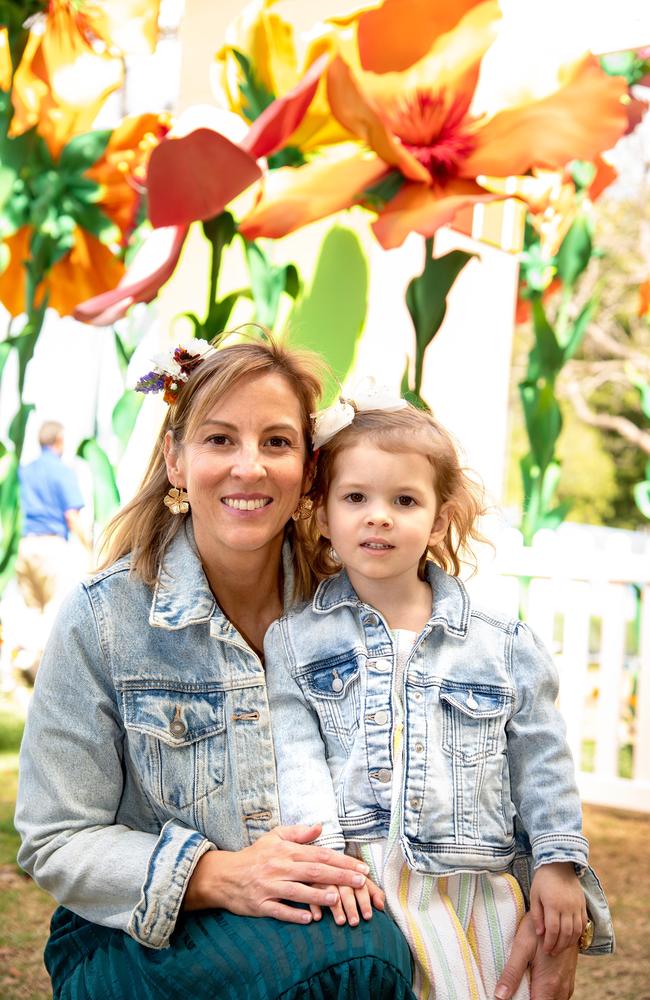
5, 60
604, 176
195, 177
294, 196
270, 131
129, 25
539, 190
77, 74
13, 278
124, 160
89, 268
421, 209
578, 121
152, 266
401, 32
351, 107
449, 67
61, 82
644, 299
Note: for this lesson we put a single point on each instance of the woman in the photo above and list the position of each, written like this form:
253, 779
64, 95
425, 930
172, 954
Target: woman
147, 800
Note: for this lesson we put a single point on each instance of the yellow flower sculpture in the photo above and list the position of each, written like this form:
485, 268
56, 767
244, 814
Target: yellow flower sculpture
262, 59
403, 83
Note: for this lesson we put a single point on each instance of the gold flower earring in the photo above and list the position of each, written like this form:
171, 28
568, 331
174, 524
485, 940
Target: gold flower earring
176, 500
303, 509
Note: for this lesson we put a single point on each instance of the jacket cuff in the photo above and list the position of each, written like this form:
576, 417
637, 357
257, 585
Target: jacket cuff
567, 847
335, 841
171, 864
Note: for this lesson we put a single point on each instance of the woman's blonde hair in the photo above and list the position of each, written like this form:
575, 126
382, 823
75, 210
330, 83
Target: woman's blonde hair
405, 430
144, 527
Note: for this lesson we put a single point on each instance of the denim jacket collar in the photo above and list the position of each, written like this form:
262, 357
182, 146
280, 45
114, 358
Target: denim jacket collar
182, 595
451, 607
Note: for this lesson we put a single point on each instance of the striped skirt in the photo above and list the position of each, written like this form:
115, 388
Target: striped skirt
460, 928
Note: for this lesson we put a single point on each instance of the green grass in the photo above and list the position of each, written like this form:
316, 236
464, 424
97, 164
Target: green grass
11, 731
625, 758
9, 839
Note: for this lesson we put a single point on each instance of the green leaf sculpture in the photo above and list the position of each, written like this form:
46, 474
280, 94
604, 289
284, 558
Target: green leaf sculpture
330, 314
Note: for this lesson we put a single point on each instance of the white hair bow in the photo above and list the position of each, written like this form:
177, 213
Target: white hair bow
366, 396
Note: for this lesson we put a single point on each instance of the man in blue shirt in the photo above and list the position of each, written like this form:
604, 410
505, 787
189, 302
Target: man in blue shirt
50, 500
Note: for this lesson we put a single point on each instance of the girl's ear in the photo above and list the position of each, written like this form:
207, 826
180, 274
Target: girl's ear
173, 461
441, 523
321, 521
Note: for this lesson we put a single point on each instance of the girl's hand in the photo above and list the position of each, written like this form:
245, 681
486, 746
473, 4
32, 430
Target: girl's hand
281, 866
557, 905
352, 902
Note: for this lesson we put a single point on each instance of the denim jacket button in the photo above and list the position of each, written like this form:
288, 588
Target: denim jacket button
177, 727
414, 803
419, 747
382, 665
370, 619
418, 696
383, 775
381, 718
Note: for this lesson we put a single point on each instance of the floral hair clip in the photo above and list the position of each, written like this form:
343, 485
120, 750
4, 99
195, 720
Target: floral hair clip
366, 396
172, 368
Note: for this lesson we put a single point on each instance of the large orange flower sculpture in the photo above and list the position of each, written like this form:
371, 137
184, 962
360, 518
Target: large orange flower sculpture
403, 82
70, 217
73, 60
193, 177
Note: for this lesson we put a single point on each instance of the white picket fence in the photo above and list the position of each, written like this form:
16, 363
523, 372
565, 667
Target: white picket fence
589, 600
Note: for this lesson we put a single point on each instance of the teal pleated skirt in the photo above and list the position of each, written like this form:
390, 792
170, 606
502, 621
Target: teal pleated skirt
216, 955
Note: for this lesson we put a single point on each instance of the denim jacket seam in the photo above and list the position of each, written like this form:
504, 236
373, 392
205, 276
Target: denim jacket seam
102, 637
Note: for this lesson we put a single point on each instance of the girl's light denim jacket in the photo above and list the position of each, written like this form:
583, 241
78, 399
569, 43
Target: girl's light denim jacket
484, 744
148, 742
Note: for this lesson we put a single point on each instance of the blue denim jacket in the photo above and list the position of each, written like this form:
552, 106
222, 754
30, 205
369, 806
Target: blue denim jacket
483, 740
148, 742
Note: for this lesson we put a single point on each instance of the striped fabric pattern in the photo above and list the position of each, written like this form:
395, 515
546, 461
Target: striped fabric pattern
460, 928
217, 955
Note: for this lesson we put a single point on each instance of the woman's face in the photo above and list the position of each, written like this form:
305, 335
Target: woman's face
243, 469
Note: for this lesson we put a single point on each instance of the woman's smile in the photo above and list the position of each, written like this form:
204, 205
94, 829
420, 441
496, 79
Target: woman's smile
246, 503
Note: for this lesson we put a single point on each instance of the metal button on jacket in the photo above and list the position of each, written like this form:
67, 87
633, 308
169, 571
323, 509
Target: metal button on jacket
383, 775
382, 665
381, 718
177, 727
337, 683
370, 619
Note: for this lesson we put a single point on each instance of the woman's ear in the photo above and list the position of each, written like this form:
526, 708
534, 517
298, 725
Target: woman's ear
441, 523
308, 475
173, 461
321, 521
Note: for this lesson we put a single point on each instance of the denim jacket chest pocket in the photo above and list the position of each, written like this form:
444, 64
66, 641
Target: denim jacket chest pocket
178, 741
473, 720
333, 689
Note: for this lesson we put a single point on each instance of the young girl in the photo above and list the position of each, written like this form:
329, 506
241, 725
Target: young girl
413, 725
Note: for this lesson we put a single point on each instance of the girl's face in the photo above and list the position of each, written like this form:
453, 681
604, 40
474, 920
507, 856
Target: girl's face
243, 469
381, 512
